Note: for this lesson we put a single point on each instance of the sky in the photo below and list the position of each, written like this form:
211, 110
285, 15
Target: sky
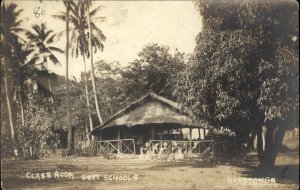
128, 27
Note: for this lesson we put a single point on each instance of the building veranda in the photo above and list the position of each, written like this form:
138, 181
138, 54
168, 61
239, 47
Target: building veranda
157, 127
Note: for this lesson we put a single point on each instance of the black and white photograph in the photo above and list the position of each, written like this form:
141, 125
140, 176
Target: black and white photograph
149, 95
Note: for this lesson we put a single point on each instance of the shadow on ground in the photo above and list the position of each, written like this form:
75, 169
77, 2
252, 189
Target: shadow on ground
287, 174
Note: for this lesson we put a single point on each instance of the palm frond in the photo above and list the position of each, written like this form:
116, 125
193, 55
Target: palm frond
32, 61
53, 59
99, 18
60, 34
18, 30
36, 28
96, 10
51, 39
18, 23
48, 33
98, 31
56, 49
60, 17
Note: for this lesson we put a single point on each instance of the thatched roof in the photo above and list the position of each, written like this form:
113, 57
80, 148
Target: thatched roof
150, 109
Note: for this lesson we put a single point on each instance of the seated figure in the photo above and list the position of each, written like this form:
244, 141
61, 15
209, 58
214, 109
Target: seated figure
155, 148
146, 148
164, 148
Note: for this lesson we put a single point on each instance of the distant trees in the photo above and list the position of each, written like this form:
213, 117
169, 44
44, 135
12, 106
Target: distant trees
243, 73
155, 70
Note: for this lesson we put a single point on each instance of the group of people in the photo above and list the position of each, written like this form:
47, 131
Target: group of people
166, 147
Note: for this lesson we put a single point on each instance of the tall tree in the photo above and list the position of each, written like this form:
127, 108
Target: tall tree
244, 70
41, 39
155, 70
94, 32
24, 73
70, 131
10, 24
79, 42
65, 16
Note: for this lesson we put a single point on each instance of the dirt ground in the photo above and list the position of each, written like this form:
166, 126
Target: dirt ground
134, 174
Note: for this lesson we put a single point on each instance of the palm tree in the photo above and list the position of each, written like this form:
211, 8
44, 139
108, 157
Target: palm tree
70, 130
79, 43
41, 39
66, 17
25, 73
94, 32
9, 29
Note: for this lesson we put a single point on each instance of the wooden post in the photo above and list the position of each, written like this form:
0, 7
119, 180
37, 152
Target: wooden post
119, 134
152, 132
190, 142
199, 133
133, 146
204, 133
152, 138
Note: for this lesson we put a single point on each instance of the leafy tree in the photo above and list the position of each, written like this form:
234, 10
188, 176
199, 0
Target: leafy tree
109, 80
244, 70
39, 133
77, 105
155, 70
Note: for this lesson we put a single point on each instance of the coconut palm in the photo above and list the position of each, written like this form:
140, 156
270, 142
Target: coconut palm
70, 130
79, 43
79, 40
42, 39
25, 74
10, 24
66, 18
94, 32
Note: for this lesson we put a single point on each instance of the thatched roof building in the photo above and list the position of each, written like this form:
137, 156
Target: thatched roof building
150, 110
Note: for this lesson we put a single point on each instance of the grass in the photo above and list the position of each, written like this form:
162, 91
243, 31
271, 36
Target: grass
184, 175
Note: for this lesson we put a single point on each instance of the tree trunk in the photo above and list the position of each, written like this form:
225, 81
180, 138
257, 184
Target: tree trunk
22, 111
87, 96
50, 89
92, 67
260, 150
51, 96
274, 138
9, 103
252, 137
87, 132
70, 131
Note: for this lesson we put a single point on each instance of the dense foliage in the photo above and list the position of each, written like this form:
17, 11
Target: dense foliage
244, 70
